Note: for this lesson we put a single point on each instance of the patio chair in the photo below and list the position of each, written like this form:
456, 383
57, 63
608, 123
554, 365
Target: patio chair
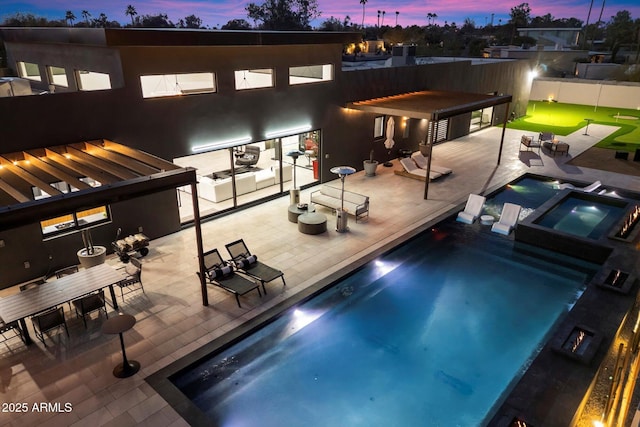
66, 271
249, 264
528, 142
472, 209
249, 157
33, 284
220, 273
133, 279
90, 303
413, 170
48, 321
11, 326
546, 137
508, 219
421, 161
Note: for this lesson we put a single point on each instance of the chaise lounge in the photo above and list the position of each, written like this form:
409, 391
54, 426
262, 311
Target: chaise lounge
421, 161
508, 219
588, 189
249, 264
220, 273
411, 170
472, 209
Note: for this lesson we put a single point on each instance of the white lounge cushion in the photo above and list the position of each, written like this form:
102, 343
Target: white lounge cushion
421, 161
508, 219
472, 209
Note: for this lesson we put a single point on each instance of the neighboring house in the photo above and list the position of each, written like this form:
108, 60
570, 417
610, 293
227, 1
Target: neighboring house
191, 96
555, 37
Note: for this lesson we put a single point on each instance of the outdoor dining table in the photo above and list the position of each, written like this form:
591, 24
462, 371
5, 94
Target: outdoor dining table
51, 294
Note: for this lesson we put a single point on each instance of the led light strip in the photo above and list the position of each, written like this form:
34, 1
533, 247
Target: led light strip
221, 144
290, 131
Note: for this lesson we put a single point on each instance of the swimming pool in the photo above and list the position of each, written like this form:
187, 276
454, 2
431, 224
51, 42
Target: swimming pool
432, 333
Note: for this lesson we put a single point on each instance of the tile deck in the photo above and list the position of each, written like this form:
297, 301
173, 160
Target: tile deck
171, 320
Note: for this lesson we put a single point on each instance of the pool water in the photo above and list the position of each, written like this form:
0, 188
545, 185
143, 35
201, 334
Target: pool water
433, 333
582, 217
528, 192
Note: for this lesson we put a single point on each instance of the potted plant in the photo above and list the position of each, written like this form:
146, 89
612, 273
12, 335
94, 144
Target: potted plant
425, 149
370, 165
90, 255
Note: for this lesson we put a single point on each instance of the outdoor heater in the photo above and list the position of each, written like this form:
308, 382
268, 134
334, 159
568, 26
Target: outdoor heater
341, 214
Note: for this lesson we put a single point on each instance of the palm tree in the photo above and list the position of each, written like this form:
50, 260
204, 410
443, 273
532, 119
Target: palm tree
70, 17
379, 18
363, 2
397, 13
383, 12
131, 11
85, 14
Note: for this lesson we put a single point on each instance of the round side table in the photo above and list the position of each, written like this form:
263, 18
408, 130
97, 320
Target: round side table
295, 212
118, 325
487, 219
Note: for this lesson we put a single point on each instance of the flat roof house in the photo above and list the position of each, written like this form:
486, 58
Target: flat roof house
198, 98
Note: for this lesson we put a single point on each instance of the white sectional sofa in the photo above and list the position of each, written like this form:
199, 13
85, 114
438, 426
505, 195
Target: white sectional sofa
221, 189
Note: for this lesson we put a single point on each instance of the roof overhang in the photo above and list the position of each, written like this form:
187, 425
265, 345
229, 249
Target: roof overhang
430, 105
124, 173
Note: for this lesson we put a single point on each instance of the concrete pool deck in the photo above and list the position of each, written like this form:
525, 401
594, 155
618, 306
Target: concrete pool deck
172, 321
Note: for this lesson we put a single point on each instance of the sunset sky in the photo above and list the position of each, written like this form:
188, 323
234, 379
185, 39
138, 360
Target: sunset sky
218, 12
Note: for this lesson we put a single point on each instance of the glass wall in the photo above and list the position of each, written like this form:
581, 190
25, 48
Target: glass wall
257, 170
481, 119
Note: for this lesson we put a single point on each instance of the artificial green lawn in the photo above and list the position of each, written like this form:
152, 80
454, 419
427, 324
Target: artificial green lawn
563, 119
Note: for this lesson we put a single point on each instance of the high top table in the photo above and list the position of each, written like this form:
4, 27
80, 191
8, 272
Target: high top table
118, 325
51, 294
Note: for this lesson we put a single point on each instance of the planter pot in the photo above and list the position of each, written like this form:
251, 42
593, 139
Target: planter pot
98, 257
370, 167
425, 149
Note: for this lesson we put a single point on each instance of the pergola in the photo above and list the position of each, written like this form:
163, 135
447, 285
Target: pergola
124, 173
432, 106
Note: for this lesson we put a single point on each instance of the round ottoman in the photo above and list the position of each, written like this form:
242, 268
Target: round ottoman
312, 223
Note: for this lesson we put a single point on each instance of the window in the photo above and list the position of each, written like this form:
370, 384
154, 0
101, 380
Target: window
90, 80
310, 74
29, 71
253, 79
58, 76
378, 127
75, 221
177, 84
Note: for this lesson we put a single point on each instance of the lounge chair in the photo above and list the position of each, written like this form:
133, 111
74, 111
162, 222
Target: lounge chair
414, 171
421, 161
249, 156
472, 209
588, 189
220, 273
508, 219
249, 264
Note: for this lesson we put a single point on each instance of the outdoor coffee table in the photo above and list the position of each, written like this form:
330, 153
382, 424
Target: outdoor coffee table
296, 210
118, 325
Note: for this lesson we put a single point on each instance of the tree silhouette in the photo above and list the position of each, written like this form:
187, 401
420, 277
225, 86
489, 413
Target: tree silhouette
284, 14
85, 14
70, 17
397, 13
363, 2
520, 17
131, 11
383, 12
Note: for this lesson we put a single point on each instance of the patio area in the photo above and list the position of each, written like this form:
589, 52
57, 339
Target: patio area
171, 320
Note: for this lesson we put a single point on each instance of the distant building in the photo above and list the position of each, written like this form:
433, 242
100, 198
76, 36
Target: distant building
555, 37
